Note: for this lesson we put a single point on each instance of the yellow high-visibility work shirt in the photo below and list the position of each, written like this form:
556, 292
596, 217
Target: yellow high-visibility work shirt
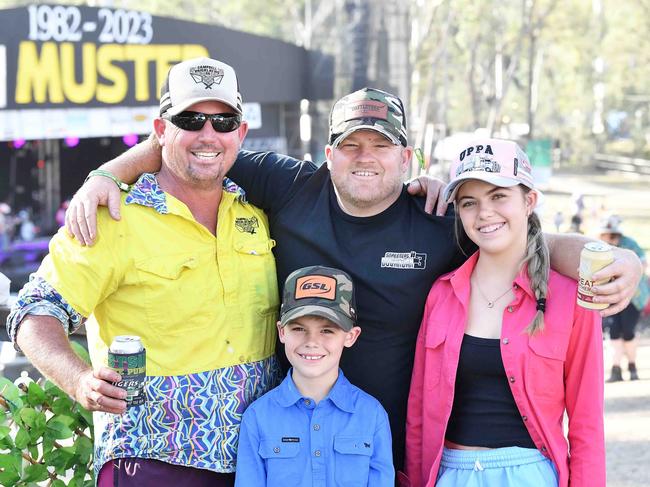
205, 307
198, 301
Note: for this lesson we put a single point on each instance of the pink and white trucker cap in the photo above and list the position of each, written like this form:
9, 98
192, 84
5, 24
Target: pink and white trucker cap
496, 161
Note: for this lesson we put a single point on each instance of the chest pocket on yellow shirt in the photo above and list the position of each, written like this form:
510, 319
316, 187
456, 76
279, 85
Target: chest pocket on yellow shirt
257, 269
546, 364
172, 301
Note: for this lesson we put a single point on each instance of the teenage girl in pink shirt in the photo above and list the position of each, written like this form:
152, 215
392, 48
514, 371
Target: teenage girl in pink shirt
504, 351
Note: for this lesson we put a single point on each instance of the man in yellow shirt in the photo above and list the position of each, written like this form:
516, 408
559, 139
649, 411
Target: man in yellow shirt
190, 270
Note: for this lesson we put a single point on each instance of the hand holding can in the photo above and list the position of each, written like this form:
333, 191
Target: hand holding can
594, 256
127, 357
95, 391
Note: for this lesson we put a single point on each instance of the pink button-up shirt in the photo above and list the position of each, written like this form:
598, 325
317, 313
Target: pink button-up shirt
557, 370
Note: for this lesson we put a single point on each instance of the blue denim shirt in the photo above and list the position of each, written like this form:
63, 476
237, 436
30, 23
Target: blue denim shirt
287, 440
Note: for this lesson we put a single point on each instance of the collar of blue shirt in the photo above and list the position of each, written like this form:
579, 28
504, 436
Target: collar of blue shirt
342, 394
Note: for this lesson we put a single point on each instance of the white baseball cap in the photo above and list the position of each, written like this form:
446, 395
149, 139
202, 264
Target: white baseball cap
197, 80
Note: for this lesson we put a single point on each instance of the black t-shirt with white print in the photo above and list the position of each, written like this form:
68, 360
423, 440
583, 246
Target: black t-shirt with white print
393, 257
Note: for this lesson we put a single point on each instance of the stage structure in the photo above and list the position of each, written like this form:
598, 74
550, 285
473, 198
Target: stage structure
75, 73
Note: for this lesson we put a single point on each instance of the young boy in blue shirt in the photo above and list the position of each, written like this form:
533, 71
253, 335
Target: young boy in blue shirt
316, 429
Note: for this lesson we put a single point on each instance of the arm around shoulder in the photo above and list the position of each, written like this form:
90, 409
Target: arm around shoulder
564, 250
143, 157
268, 177
81, 216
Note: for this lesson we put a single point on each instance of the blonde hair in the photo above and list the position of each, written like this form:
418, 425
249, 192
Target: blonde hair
537, 259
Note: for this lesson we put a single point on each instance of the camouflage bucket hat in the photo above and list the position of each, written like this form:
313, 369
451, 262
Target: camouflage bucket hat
368, 108
319, 291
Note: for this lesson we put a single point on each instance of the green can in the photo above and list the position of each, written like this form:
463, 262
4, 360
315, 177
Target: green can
127, 357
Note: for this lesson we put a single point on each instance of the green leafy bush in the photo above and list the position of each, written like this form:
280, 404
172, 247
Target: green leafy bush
46, 438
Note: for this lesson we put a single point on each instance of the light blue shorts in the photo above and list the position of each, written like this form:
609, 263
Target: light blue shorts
500, 467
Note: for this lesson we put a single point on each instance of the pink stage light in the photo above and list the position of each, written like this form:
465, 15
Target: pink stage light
71, 141
18, 143
130, 139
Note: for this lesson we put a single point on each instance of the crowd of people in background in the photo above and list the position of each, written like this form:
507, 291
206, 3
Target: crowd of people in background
17, 226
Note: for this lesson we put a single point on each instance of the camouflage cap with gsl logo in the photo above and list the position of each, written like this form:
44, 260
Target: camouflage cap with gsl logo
319, 291
368, 108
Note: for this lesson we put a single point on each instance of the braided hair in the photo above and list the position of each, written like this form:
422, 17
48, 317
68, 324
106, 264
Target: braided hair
538, 264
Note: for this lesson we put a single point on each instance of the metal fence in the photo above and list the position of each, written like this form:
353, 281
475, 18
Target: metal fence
623, 164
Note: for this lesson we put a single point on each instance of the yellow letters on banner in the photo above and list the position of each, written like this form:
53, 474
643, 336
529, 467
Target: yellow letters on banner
51, 76
114, 92
79, 92
142, 56
38, 79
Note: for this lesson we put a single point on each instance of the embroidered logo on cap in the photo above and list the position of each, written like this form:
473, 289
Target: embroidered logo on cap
208, 75
316, 287
480, 163
479, 148
366, 109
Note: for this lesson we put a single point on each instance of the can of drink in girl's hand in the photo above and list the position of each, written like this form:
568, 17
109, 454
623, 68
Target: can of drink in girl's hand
127, 357
594, 256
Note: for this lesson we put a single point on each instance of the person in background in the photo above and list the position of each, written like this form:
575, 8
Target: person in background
575, 225
504, 350
28, 229
622, 325
558, 220
5, 216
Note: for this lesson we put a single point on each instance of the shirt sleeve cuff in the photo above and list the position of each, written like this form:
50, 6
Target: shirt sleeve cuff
40, 299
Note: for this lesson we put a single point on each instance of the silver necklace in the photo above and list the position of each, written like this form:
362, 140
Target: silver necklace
490, 303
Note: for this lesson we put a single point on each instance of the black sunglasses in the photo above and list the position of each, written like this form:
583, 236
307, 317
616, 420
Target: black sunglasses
194, 121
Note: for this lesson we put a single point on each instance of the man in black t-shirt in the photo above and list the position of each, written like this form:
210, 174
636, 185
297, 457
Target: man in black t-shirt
353, 213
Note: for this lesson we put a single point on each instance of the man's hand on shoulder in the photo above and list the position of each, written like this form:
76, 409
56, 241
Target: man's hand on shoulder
432, 188
81, 215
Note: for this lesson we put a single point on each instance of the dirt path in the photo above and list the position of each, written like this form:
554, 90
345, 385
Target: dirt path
627, 423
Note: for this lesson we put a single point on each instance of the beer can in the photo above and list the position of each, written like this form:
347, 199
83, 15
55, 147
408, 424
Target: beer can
594, 256
127, 357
